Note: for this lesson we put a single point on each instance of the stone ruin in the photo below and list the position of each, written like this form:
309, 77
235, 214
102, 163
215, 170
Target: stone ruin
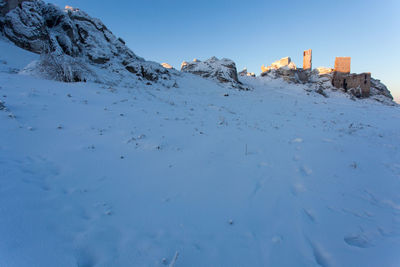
342, 64
357, 84
339, 77
307, 59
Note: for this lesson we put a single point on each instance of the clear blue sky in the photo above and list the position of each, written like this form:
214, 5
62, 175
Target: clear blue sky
253, 33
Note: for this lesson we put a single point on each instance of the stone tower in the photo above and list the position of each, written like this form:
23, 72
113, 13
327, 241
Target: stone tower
342, 64
307, 59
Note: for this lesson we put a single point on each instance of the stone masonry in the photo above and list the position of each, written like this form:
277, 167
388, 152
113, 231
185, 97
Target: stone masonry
342, 64
358, 84
307, 59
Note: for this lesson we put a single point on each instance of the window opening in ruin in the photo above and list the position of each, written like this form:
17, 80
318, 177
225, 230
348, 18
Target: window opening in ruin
345, 85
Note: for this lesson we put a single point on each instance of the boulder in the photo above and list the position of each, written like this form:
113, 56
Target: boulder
283, 63
245, 73
167, 66
289, 75
378, 88
323, 70
220, 70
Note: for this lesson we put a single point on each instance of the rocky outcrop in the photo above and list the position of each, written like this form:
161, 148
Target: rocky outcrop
288, 74
378, 88
73, 36
285, 69
244, 72
166, 65
222, 70
284, 63
323, 70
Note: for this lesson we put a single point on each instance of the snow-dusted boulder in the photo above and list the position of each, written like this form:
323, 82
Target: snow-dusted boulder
72, 36
323, 70
166, 65
287, 70
244, 72
221, 70
378, 88
285, 63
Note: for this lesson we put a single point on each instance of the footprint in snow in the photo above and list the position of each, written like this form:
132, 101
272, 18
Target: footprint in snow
297, 140
322, 257
358, 240
298, 189
305, 170
310, 215
277, 239
85, 258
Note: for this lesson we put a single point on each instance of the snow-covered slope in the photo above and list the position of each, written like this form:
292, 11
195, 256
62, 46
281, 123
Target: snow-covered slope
200, 175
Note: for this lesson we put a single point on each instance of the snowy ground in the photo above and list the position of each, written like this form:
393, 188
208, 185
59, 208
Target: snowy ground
99, 176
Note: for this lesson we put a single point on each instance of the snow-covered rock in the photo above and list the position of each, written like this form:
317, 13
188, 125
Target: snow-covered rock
166, 65
221, 70
73, 38
244, 72
288, 74
378, 88
285, 63
323, 70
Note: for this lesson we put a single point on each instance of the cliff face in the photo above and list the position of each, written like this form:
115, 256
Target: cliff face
71, 37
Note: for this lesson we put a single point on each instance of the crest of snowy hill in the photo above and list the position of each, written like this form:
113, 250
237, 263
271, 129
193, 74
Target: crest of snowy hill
220, 70
76, 47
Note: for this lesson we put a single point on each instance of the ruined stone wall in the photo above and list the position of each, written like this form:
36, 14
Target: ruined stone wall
353, 81
342, 64
307, 59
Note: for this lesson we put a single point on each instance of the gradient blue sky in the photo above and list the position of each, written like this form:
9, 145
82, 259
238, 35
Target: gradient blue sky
253, 33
